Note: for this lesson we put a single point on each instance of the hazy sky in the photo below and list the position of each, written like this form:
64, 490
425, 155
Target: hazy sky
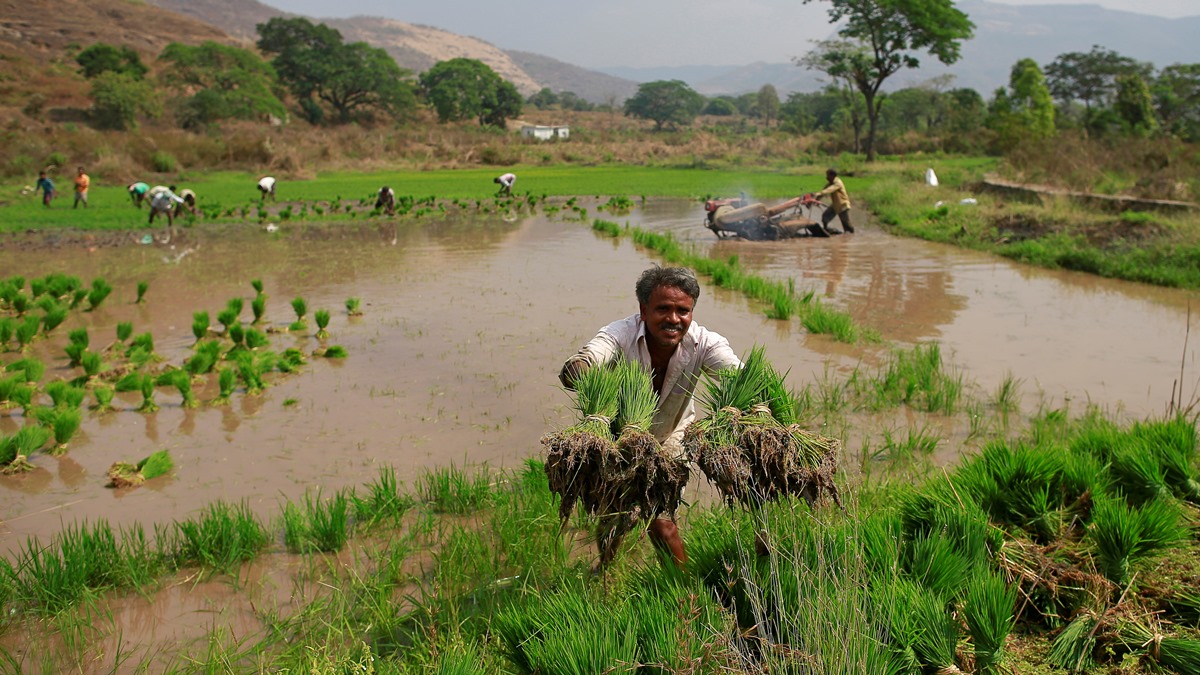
606, 33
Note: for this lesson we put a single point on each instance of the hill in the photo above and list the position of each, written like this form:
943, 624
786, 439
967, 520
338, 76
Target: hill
1004, 34
417, 47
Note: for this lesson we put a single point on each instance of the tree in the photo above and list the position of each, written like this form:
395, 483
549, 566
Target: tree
1134, 105
1026, 109
105, 58
1091, 77
1176, 93
220, 82
888, 32
768, 103
317, 65
831, 57
569, 100
461, 89
666, 102
720, 106
544, 99
118, 99
806, 112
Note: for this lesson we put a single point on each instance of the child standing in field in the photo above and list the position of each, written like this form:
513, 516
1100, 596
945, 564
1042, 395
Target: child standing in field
46, 186
82, 183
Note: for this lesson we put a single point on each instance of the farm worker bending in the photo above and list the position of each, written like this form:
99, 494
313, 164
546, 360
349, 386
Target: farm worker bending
189, 202
839, 203
82, 183
164, 202
506, 182
266, 185
137, 192
662, 338
46, 186
386, 200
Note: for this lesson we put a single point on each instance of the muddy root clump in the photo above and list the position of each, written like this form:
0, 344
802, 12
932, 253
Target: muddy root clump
752, 459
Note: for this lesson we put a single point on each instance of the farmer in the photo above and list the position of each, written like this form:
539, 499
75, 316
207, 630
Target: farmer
164, 202
839, 205
663, 339
46, 186
137, 192
189, 202
386, 200
266, 185
82, 183
506, 182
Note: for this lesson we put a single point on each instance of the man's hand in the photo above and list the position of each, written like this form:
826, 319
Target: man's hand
574, 367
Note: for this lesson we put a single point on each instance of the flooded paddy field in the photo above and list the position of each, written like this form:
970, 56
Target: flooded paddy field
466, 323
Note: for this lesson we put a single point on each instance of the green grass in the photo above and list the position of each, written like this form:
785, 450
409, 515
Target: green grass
454, 490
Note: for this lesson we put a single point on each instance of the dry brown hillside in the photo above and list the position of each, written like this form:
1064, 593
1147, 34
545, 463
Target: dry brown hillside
42, 30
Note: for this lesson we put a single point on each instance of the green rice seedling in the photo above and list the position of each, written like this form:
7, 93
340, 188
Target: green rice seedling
181, 380
227, 318
383, 501
322, 317
92, 364
354, 306
80, 559
53, 318
143, 341
322, 525
9, 387
937, 564
990, 612
300, 307
461, 658
332, 352
100, 291
257, 285
143, 383
20, 304
142, 287
452, 490
30, 368
77, 297
74, 352
27, 330
226, 382
237, 335
1178, 654
16, 449
250, 373
1073, 648
7, 327
782, 307
200, 325
1173, 442
258, 306
221, 539
1007, 397
78, 336
606, 227
236, 305
291, 359
64, 395
256, 339
64, 422
566, 631
1124, 537
820, 319
104, 398
208, 354
1135, 470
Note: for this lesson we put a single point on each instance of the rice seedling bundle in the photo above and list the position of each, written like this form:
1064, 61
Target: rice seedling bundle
1072, 649
100, 291
104, 397
142, 287
200, 325
28, 329
322, 318
1181, 655
16, 449
53, 317
608, 462
226, 382
31, 369
124, 474
124, 330
259, 307
7, 326
750, 447
1125, 537
354, 306
990, 613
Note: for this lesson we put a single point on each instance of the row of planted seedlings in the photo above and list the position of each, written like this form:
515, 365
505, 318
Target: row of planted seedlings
368, 206
781, 298
235, 353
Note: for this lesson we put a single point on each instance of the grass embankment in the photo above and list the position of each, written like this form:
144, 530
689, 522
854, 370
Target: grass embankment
1144, 246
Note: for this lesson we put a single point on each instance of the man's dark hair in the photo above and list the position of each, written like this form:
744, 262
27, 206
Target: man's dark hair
832, 173
677, 277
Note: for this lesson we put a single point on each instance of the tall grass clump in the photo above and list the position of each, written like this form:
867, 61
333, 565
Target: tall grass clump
383, 501
320, 525
452, 490
917, 378
567, 632
223, 537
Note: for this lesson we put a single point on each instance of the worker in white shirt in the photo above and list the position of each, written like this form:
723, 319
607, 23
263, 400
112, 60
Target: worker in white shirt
506, 182
266, 185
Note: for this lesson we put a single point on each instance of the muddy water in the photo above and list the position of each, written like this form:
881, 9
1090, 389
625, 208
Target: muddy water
467, 322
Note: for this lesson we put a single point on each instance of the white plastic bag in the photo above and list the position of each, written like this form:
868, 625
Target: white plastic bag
930, 177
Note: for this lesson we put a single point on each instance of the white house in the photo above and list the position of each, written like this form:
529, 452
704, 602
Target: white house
545, 133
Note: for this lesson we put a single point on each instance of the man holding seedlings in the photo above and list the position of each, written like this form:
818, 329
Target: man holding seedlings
164, 202
46, 186
506, 182
82, 183
662, 338
839, 204
386, 200
266, 185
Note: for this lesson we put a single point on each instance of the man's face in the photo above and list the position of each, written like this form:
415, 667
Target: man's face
667, 316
